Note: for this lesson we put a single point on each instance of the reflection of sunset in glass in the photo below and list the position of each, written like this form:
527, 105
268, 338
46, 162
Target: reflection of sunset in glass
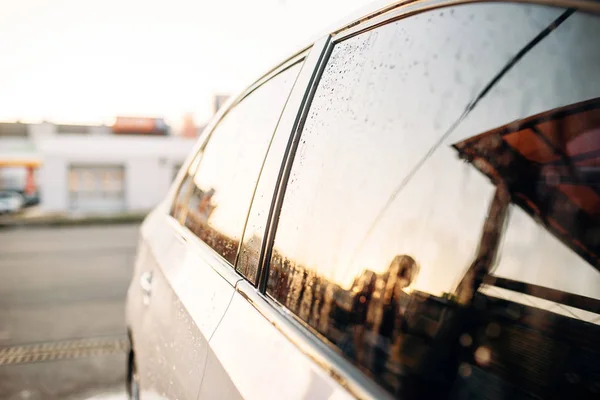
349, 190
221, 190
343, 213
233, 178
80, 61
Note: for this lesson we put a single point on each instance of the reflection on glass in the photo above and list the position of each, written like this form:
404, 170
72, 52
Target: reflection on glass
404, 269
179, 207
248, 258
543, 298
231, 162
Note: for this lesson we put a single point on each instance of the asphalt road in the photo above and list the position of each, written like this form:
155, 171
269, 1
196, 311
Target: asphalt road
63, 287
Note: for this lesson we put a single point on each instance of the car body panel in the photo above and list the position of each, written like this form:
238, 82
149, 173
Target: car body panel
187, 301
249, 358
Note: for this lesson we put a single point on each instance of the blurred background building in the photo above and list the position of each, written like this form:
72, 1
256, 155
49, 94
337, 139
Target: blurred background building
128, 166
124, 167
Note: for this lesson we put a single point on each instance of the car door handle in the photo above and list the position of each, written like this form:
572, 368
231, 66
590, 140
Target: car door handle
146, 283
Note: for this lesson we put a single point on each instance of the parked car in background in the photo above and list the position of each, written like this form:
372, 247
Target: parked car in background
32, 199
408, 208
10, 202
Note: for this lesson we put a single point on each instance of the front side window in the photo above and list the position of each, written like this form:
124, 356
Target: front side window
392, 225
222, 187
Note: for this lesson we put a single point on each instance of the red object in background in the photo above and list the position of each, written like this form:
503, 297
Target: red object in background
551, 165
139, 126
30, 188
189, 128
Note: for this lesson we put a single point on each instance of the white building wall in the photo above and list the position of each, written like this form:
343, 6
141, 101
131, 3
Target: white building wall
41, 131
147, 181
148, 161
52, 182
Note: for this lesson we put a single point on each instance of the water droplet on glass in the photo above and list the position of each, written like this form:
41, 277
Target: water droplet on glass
465, 340
483, 355
464, 370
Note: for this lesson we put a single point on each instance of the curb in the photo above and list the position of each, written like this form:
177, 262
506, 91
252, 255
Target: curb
44, 220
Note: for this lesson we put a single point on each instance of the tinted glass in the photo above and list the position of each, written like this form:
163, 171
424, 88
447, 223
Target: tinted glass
179, 207
247, 263
226, 178
390, 233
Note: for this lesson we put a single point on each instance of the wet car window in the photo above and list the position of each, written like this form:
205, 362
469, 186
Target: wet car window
231, 162
248, 259
407, 204
540, 303
179, 207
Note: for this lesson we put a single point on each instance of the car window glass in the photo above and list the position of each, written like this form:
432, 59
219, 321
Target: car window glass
248, 259
227, 174
390, 222
566, 82
545, 268
180, 204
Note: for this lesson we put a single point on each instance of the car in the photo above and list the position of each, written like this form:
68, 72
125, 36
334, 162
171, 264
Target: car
407, 208
31, 199
10, 202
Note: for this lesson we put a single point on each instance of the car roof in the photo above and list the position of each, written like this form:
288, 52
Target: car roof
379, 7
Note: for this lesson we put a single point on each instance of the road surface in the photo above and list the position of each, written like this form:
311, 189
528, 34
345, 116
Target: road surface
62, 293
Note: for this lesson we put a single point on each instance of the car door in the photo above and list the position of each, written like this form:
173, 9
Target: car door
193, 246
354, 281
245, 335
170, 331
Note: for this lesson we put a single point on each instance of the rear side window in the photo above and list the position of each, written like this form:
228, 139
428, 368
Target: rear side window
391, 230
222, 188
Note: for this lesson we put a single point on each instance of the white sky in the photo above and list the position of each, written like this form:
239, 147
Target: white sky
88, 61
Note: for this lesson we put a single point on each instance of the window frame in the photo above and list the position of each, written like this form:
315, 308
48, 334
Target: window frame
297, 331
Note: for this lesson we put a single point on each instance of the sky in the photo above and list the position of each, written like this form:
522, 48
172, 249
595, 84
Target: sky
83, 61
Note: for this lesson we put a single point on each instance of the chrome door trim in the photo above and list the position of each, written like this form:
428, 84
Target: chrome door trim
212, 258
313, 345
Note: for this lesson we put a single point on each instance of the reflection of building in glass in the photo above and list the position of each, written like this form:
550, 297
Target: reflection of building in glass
473, 343
201, 205
197, 211
550, 165
528, 341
